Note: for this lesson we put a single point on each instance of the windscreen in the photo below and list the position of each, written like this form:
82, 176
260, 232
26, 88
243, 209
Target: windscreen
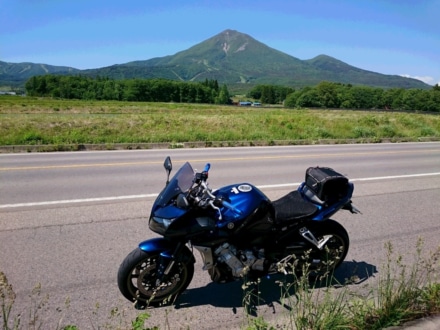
180, 183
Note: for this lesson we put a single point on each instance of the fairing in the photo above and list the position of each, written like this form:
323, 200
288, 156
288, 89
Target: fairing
180, 183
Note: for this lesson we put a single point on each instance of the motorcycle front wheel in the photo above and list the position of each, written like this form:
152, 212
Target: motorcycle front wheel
139, 282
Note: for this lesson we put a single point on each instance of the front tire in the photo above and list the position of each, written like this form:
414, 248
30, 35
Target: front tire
138, 279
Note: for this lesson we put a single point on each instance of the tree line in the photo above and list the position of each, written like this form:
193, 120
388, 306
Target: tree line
269, 94
144, 90
324, 95
346, 96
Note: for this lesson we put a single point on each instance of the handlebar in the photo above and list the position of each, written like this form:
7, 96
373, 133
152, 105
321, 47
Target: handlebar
202, 176
207, 167
214, 202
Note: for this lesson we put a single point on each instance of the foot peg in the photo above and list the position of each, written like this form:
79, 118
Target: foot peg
308, 235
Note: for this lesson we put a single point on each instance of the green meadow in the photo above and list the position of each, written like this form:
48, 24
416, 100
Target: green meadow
54, 122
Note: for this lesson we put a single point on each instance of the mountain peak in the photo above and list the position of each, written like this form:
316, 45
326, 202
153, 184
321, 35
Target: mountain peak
227, 42
231, 36
232, 58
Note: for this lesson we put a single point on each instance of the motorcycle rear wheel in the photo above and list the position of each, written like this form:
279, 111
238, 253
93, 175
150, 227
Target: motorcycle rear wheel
321, 263
138, 280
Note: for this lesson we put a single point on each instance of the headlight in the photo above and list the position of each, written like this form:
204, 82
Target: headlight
167, 222
159, 225
162, 221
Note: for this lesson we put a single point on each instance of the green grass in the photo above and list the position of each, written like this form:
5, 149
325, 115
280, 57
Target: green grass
49, 122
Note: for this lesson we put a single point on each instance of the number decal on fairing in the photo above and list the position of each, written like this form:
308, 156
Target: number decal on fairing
241, 188
244, 188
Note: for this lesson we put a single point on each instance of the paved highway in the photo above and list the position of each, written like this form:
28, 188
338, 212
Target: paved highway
67, 220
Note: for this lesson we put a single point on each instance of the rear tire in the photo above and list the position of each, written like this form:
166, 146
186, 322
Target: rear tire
139, 283
321, 263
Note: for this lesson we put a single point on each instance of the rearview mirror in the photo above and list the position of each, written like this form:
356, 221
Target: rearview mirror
182, 202
168, 167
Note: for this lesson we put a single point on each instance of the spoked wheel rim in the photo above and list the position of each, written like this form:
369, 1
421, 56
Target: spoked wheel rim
323, 262
147, 287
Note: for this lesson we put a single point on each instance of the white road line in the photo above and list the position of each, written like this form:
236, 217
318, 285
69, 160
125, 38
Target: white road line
114, 198
396, 176
73, 201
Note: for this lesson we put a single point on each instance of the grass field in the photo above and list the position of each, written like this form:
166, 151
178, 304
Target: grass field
50, 122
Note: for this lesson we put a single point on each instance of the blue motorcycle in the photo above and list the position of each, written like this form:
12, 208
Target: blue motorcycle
238, 231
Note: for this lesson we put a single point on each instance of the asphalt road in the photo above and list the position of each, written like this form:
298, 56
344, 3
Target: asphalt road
67, 220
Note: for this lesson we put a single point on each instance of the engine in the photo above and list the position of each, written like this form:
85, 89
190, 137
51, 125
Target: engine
239, 262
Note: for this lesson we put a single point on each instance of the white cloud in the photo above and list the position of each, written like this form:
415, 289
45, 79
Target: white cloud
426, 79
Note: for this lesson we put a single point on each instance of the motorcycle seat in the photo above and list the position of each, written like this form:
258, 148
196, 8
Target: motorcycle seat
292, 207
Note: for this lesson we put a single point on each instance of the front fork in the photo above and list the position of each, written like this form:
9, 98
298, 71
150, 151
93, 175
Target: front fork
169, 253
168, 259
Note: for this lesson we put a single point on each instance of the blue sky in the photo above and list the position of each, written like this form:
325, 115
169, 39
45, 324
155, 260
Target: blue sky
387, 36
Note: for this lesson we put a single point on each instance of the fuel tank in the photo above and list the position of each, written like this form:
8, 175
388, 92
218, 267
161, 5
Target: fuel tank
256, 214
